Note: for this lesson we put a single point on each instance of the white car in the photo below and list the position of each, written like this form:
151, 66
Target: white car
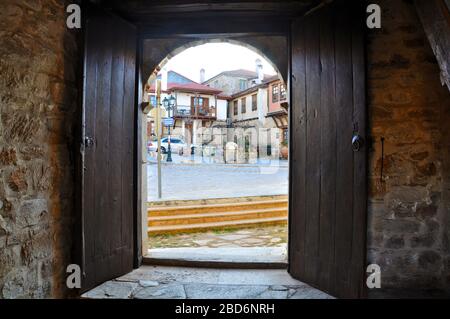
176, 145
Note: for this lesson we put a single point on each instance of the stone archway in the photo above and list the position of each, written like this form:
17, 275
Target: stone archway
157, 52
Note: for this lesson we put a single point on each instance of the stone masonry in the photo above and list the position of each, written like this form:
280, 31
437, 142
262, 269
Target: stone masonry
409, 196
38, 96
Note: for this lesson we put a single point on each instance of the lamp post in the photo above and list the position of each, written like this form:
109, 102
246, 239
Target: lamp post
169, 104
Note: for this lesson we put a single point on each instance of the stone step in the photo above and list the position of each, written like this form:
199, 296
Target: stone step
259, 222
206, 201
222, 207
215, 217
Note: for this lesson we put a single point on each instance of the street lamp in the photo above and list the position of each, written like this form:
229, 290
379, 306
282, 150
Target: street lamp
169, 104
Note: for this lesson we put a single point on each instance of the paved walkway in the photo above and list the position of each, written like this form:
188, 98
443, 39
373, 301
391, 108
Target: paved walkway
199, 181
156, 282
271, 236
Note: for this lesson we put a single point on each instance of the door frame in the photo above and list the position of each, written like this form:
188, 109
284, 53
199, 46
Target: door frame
171, 29
141, 215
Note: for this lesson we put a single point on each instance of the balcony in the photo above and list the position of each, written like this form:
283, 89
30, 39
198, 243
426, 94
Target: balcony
195, 112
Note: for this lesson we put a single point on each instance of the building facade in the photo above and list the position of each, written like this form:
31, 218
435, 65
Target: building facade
278, 107
196, 106
234, 81
256, 111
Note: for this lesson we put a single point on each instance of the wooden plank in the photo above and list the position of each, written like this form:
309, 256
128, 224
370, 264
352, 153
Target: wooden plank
129, 152
344, 159
114, 221
358, 260
297, 164
88, 175
327, 152
141, 203
102, 160
313, 156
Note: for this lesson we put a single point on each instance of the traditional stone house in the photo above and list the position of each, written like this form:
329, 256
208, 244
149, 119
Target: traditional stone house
259, 108
234, 81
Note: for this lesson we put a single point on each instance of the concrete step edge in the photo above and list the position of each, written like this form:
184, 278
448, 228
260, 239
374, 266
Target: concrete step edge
218, 224
226, 218
217, 214
179, 209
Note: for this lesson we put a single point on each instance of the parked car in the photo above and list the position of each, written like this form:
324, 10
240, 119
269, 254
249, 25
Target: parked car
176, 145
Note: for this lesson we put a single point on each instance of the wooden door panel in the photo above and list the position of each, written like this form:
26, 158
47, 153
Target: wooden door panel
108, 121
328, 179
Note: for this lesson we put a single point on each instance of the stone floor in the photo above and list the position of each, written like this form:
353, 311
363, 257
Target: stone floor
157, 282
270, 236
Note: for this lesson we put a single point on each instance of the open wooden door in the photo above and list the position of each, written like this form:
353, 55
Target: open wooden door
328, 169
108, 148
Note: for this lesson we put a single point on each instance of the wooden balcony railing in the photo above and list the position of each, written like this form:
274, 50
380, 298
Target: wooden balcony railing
195, 111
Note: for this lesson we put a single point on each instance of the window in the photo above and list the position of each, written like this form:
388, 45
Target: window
243, 106
235, 107
275, 92
254, 102
242, 84
282, 92
198, 101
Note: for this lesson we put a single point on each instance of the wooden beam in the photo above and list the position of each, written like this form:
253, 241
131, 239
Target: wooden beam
159, 8
212, 26
142, 12
435, 18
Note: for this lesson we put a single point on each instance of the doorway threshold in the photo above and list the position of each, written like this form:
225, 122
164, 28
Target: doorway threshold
231, 257
159, 282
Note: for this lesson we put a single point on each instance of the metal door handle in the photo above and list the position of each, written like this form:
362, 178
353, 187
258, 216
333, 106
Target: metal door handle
357, 143
88, 141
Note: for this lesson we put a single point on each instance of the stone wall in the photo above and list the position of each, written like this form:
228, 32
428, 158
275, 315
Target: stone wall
409, 194
38, 98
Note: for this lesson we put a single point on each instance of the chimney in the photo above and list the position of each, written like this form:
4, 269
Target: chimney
202, 75
164, 79
259, 71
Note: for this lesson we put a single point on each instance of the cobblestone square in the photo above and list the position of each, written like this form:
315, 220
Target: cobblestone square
185, 180
270, 236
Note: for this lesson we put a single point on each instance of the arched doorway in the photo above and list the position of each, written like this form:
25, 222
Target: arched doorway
256, 103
